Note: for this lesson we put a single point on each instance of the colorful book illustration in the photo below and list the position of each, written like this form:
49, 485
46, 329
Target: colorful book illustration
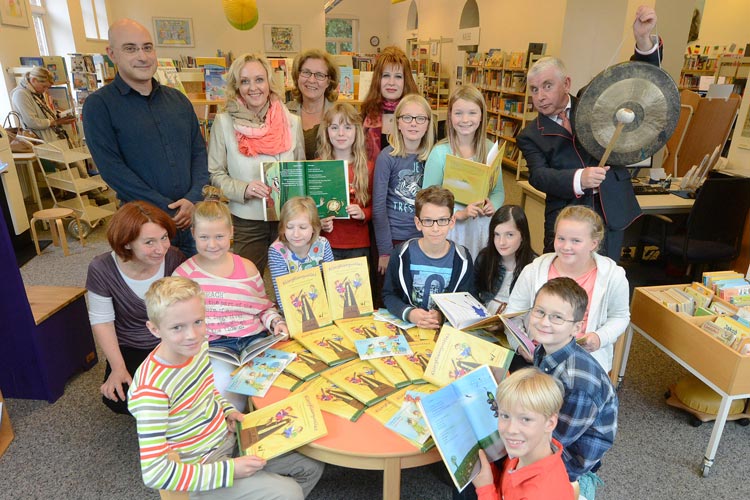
325, 181
386, 329
383, 314
281, 427
255, 377
383, 411
333, 399
457, 353
348, 287
468, 180
518, 325
461, 421
166, 74
381, 347
410, 424
252, 350
463, 311
346, 81
363, 327
361, 380
215, 79
391, 370
306, 365
304, 300
328, 344
399, 397
415, 364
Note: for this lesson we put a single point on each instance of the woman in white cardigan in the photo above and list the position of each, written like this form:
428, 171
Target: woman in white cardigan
254, 127
578, 232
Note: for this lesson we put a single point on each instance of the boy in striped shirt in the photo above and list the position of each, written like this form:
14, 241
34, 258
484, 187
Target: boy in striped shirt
177, 408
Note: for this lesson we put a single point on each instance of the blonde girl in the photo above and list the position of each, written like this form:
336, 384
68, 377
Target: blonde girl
398, 176
341, 137
578, 233
299, 245
238, 311
465, 127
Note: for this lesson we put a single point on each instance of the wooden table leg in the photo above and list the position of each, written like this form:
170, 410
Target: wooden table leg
392, 479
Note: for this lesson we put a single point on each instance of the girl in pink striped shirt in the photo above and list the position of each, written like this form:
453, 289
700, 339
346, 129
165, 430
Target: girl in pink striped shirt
237, 307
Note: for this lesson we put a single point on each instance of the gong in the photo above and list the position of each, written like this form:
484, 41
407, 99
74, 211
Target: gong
646, 90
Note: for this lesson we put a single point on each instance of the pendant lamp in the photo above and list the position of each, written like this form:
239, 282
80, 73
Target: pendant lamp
242, 14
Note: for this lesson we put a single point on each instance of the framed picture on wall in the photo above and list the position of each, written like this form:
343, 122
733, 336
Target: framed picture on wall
14, 13
173, 31
281, 38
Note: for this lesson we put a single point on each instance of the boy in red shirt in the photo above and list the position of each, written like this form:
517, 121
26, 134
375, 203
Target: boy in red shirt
528, 404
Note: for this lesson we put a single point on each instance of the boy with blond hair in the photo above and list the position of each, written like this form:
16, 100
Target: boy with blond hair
178, 409
528, 403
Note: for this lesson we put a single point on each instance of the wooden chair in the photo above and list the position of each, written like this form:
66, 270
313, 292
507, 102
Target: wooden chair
173, 495
617, 355
55, 216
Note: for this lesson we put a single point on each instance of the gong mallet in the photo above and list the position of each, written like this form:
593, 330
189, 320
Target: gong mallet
623, 116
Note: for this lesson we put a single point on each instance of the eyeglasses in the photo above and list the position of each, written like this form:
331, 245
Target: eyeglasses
555, 319
440, 222
132, 49
306, 74
420, 119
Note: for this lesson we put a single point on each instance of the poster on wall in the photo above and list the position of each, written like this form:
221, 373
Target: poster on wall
281, 38
173, 31
14, 13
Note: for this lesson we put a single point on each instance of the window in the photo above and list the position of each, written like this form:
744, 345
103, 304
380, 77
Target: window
37, 17
342, 35
95, 22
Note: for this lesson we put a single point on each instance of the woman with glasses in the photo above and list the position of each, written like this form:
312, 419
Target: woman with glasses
578, 233
254, 127
32, 102
316, 77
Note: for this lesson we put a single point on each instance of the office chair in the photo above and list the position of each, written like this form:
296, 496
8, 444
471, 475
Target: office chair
713, 232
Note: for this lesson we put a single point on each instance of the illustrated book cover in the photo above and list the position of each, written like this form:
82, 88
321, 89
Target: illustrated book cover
361, 380
381, 347
255, 377
332, 399
328, 344
348, 287
305, 365
304, 301
415, 364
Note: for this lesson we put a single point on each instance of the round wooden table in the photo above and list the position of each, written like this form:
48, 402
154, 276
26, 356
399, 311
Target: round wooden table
364, 444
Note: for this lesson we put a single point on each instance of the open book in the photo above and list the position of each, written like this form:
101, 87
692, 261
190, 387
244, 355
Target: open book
517, 324
463, 311
281, 427
471, 181
325, 181
255, 377
461, 421
253, 349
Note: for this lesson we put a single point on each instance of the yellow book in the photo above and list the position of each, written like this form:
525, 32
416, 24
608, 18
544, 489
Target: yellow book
385, 329
328, 344
360, 328
348, 287
383, 411
415, 364
333, 400
468, 180
398, 397
361, 380
391, 370
281, 427
288, 382
304, 301
457, 353
306, 365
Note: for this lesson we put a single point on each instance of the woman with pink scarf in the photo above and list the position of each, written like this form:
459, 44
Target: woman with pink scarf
254, 127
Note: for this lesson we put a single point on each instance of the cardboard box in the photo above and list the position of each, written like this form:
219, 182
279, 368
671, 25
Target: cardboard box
681, 334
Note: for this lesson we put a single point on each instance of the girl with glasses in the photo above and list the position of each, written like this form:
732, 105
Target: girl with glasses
341, 138
578, 233
398, 176
315, 77
466, 138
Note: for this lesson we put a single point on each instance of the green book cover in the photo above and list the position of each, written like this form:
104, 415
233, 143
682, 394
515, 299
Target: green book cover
325, 181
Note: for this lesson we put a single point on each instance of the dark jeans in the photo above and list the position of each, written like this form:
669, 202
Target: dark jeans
133, 358
350, 253
252, 239
183, 240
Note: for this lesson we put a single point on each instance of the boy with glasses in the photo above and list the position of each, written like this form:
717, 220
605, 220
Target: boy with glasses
427, 265
588, 419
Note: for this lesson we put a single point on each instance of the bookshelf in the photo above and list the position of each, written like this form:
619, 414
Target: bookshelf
425, 58
694, 67
502, 79
735, 69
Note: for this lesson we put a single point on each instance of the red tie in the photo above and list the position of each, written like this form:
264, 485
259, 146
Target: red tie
563, 116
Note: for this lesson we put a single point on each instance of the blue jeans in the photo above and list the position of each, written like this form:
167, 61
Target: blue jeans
238, 343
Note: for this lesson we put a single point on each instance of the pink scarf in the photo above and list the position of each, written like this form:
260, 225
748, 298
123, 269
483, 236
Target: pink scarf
270, 138
373, 130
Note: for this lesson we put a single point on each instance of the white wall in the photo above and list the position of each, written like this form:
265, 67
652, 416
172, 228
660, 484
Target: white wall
14, 43
725, 22
373, 21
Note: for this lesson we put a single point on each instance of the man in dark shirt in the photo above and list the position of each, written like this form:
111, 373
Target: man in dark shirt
145, 137
559, 167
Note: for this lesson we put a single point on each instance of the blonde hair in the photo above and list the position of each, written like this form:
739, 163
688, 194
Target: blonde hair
41, 74
233, 75
296, 206
396, 139
581, 213
165, 292
331, 93
532, 390
213, 207
349, 116
468, 93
